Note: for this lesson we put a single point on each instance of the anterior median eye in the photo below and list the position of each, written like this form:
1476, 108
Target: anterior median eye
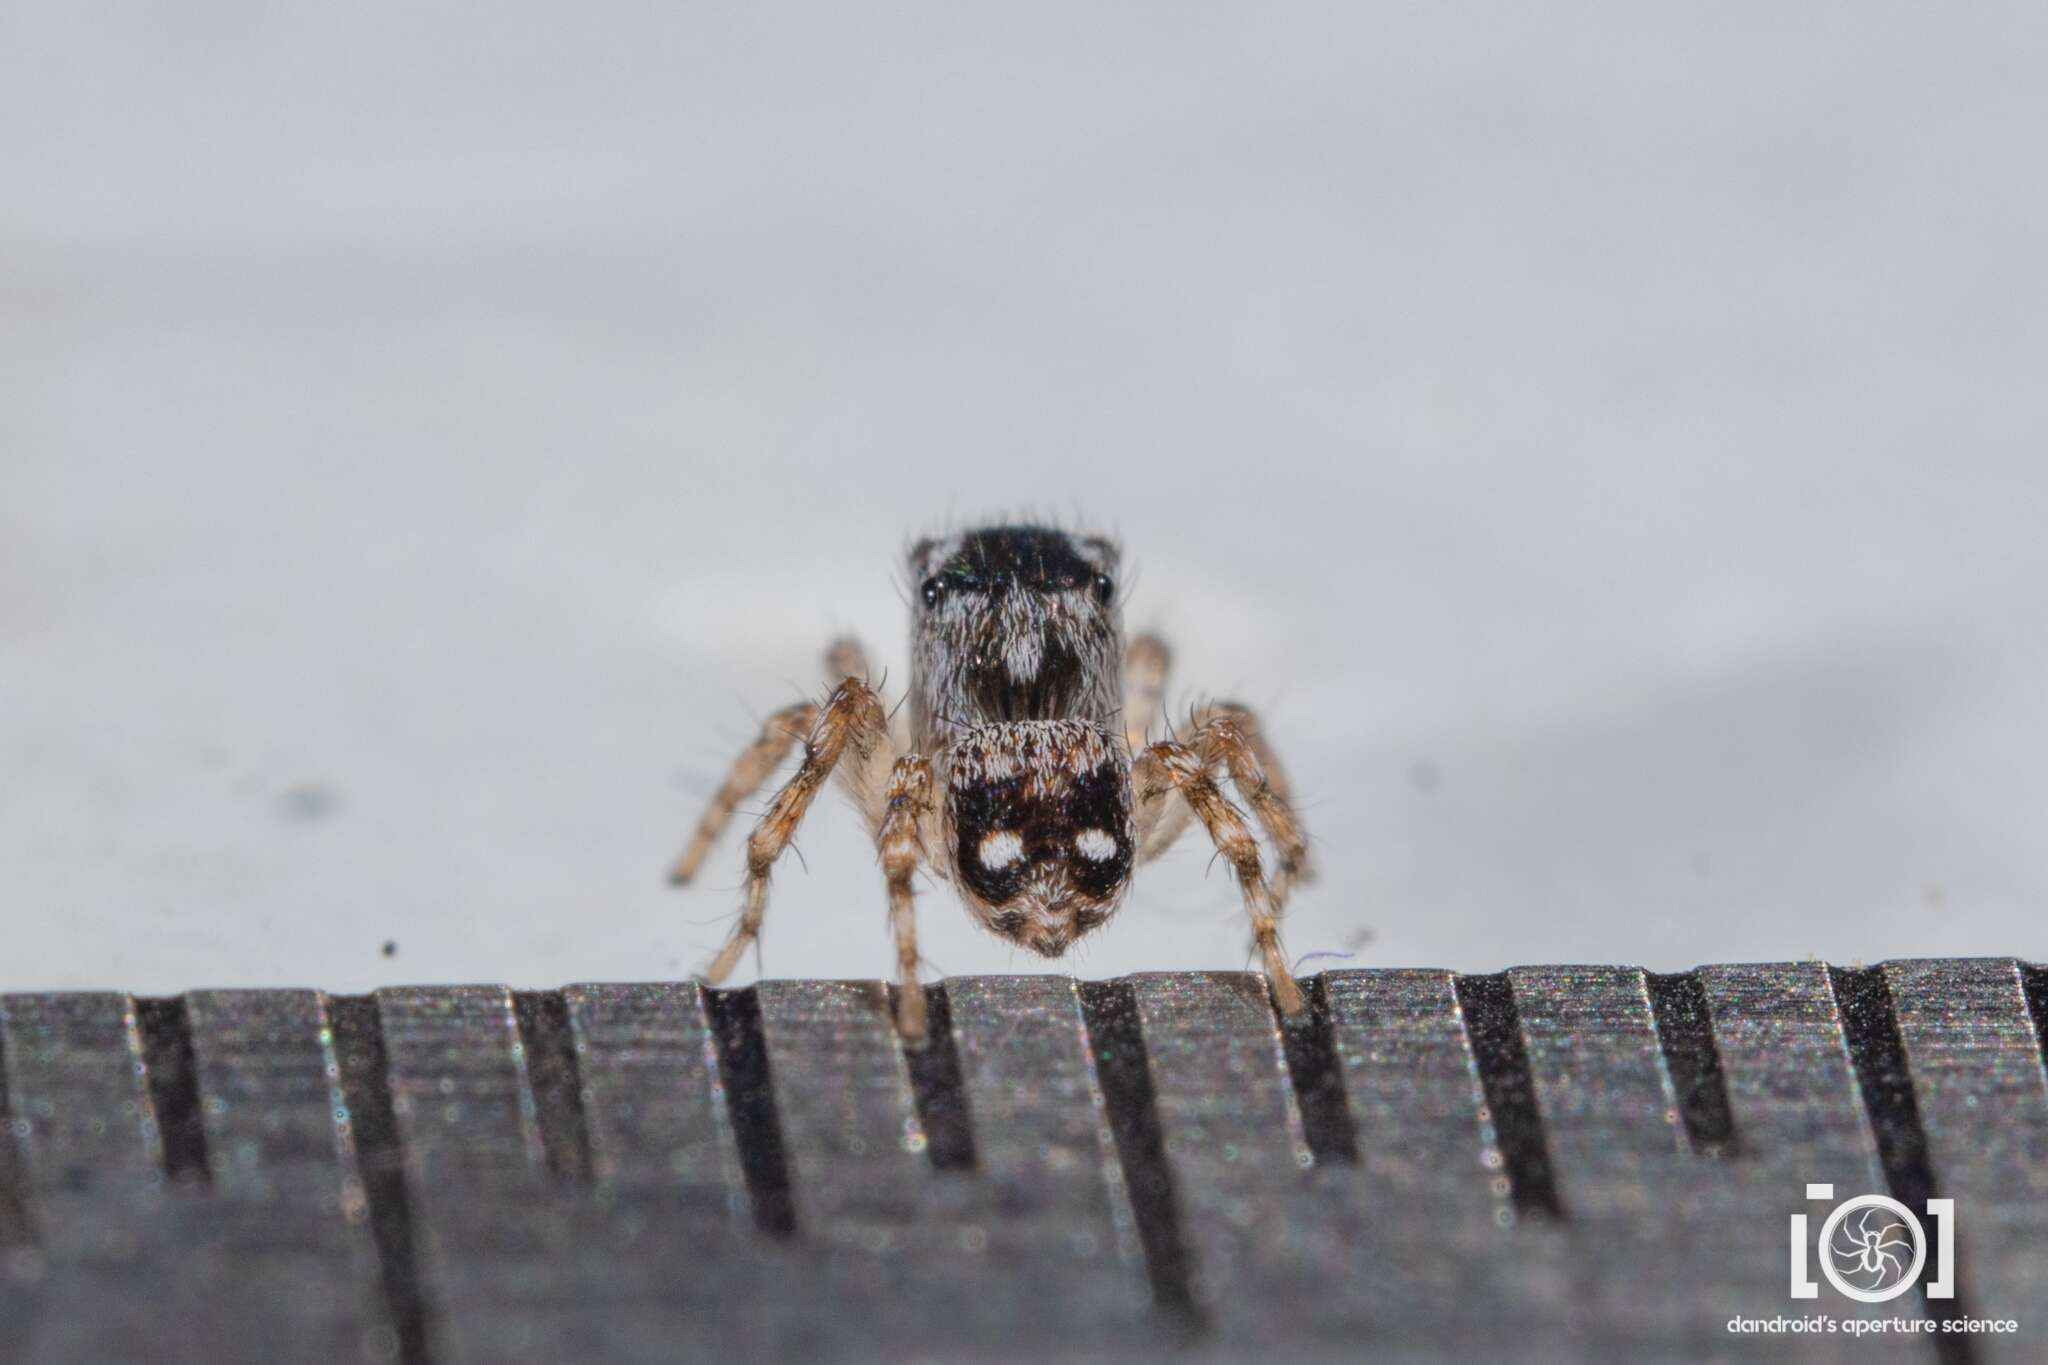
1105, 588
933, 591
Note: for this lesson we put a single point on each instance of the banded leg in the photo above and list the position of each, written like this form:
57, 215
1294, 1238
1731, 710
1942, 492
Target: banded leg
907, 813
843, 659
1161, 825
1227, 733
749, 771
853, 719
1171, 769
1146, 662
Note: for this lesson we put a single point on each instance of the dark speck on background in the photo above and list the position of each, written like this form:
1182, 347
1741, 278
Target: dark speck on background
391, 947
308, 801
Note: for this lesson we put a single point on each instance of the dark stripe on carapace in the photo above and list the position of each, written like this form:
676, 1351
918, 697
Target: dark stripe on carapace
1035, 557
1048, 694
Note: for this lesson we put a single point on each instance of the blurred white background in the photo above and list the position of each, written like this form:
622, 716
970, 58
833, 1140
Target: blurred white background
1608, 447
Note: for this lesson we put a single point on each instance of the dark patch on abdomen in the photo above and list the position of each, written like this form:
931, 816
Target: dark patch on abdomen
1100, 801
1064, 806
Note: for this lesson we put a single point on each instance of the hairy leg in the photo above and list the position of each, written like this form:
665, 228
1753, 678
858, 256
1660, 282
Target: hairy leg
1146, 661
749, 771
1229, 734
907, 812
843, 659
1169, 770
851, 721
1161, 824
865, 777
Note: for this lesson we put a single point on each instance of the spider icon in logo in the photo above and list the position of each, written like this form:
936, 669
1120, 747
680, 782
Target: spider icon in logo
1872, 1248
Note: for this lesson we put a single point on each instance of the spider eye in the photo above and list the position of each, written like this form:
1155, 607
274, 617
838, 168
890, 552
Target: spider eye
933, 590
1105, 588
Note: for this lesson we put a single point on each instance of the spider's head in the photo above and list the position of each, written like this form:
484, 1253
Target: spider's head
1016, 623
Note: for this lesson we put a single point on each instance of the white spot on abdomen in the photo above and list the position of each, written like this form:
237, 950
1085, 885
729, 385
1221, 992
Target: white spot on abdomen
1096, 845
1000, 849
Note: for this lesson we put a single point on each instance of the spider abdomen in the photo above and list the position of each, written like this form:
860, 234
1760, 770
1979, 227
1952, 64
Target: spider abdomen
1039, 826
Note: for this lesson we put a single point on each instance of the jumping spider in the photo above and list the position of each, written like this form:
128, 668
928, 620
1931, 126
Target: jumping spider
1023, 772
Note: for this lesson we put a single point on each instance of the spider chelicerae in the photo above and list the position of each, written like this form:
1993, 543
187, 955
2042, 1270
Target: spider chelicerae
1022, 770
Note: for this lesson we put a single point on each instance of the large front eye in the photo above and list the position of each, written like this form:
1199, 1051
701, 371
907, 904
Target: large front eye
1105, 588
933, 590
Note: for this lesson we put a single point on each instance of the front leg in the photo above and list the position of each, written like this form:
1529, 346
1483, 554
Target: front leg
845, 659
1229, 734
749, 771
907, 813
852, 719
1170, 772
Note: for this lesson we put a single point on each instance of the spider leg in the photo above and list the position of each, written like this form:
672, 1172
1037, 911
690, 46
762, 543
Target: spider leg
748, 772
1890, 1260
1887, 1242
1169, 769
843, 659
852, 719
1161, 824
1146, 662
909, 810
1229, 733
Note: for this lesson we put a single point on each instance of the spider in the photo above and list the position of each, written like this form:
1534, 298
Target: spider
1872, 1250
1023, 772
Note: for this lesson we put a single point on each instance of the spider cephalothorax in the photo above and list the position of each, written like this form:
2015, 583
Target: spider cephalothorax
1014, 623
1023, 772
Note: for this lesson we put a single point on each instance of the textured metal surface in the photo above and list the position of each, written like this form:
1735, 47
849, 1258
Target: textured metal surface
1974, 1048
1552, 1163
